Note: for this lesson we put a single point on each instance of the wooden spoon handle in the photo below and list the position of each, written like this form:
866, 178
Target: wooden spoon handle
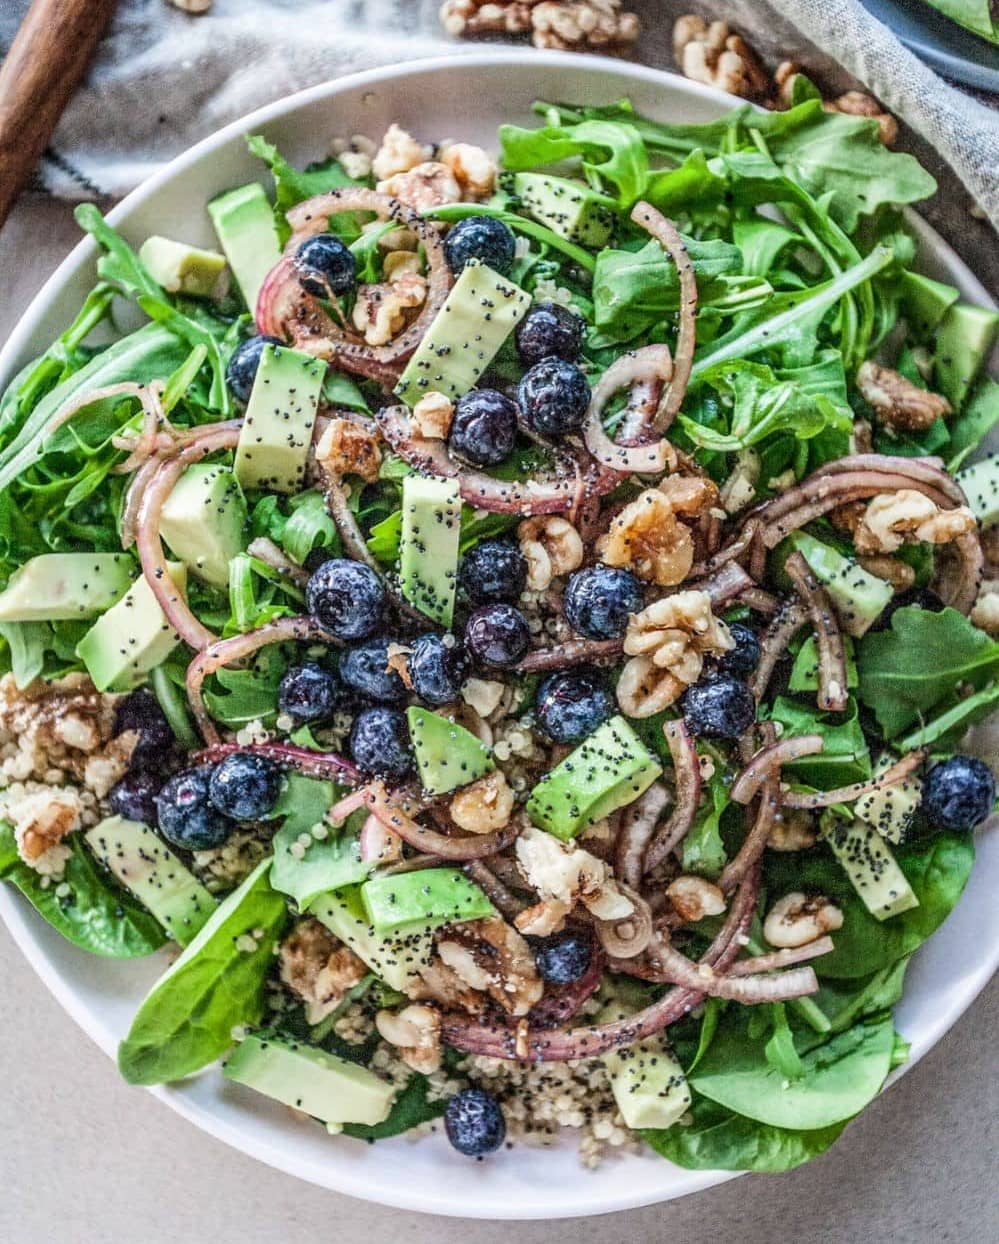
41, 71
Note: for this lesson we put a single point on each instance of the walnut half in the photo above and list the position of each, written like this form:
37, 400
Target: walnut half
908, 517
897, 402
717, 56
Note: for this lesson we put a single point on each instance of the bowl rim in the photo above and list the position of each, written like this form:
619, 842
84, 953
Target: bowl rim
17, 914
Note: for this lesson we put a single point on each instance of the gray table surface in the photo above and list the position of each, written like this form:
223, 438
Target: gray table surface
84, 1158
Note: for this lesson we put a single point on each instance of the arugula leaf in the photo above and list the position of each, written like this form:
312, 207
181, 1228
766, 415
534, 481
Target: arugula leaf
247, 694
612, 153
909, 669
292, 185
976, 419
186, 1020
86, 906
779, 1051
718, 1139
309, 527
411, 1108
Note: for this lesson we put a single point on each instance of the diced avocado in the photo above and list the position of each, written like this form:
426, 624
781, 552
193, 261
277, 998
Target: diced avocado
320, 1084
872, 868
648, 1083
980, 483
924, 303
477, 317
55, 587
204, 520
964, 342
891, 811
859, 597
571, 210
447, 755
805, 671
606, 771
182, 269
244, 222
151, 871
396, 958
277, 427
428, 547
132, 638
427, 898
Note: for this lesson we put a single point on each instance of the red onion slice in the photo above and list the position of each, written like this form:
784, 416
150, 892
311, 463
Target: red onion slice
773, 644
379, 845
649, 363
777, 959
756, 839
573, 652
894, 776
628, 937
832, 695
430, 841
561, 1002
302, 759
688, 793
677, 969
638, 824
768, 761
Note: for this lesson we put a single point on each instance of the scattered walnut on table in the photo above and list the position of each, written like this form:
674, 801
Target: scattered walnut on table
897, 402
567, 25
860, 104
717, 56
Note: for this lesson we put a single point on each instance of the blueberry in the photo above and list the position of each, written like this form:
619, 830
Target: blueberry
571, 704
497, 635
365, 669
924, 597
553, 397
242, 369
720, 706
134, 797
187, 817
745, 656
245, 786
563, 958
346, 598
549, 330
326, 266
484, 427
474, 1122
309, 693
598, 600
958, 793
480, 237
141, 712
493, 570
379, 743
437, 668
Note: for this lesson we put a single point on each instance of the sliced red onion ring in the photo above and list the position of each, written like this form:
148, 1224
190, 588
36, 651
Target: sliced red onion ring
756, 839
636, 367
925, 470
501, 898
832, 695
894, 776
773, 644
628, 937
677, 969
727, 583
638, 824
573, 652
266, 551
688, 793
665, 233
768, 761
470, 847
777, 959
302, 759
378, 845
640, 412
958, 571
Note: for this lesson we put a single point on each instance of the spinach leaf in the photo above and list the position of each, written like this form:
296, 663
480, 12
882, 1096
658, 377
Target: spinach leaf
322, 864
837, 1078
718, 1139
845, 1001
779, 1051
411, 1108
911, 668
86, 906
217, 984
974, 422
845, 757
948, 728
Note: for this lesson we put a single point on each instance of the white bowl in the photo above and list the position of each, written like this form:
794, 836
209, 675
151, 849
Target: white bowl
464, 97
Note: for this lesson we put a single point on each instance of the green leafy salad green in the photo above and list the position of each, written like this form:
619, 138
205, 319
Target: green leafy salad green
524, 610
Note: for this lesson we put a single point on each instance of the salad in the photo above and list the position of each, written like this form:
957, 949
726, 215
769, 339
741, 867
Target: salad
511, 625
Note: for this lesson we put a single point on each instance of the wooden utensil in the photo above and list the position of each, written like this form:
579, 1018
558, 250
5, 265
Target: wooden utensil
41, 71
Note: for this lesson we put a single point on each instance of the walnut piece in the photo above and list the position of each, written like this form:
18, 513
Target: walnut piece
483, 806
194, 7
793, 830
567, 25
41, 820
416, 1032
694, 897
432, 415
380, 310
648, 538
860, 104
985, 613
797, 919
716, 56
398, 153
739, 490
318, 967
491, 956
566, 872
908, 517
551, 546
474, 169
345, 448
897, 402
397, 264
476, 17
428, 185
543, 918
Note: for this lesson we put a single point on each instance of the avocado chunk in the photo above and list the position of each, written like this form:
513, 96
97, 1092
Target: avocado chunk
805, 671
397, 958
980, 484
57, 587
924, 302
859, 598
447, 755
964, 342
477, 317
891, 811
428, 545
280, 415
871, 867
182, 269
204, 520
151, 871
606, 771
132, 638
426, 899
573, 211
329, 1088
648, 1083
244, 222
